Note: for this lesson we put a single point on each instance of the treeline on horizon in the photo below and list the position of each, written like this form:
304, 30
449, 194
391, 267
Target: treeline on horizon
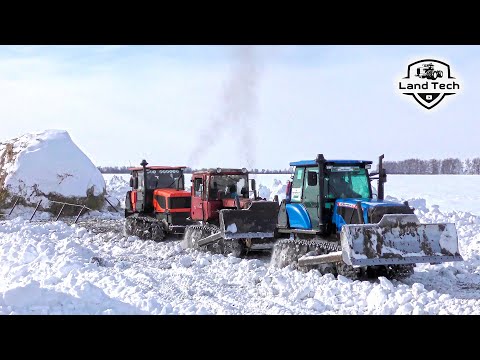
406, 167
433, 166
124, 170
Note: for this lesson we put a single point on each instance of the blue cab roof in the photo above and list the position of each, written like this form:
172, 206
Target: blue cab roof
314, 163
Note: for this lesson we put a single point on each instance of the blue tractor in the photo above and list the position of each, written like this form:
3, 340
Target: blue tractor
331, 220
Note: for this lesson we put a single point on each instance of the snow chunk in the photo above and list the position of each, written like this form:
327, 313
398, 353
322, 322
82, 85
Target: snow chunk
186, 261
203, 262
22, 296
386, 284
232, 228
377, 297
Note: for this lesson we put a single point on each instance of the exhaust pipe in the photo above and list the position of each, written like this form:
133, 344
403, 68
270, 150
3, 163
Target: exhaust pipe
321, 202
382, 178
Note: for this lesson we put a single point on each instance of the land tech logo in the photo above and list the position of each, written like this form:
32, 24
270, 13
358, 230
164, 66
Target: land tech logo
429, 81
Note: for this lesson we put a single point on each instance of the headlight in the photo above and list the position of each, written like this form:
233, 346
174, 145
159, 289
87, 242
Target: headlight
219, 170
244, 170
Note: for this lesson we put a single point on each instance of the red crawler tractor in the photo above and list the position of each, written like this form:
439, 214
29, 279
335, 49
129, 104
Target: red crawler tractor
158, 204
227, 217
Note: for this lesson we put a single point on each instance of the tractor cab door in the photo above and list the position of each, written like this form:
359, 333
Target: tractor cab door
198, 197
311, 194
140, 198
303, 208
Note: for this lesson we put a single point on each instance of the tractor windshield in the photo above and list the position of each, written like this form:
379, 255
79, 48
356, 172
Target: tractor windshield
164, 179
347, 182
222, 186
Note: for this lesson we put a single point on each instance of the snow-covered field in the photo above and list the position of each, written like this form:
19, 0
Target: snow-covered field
56, 268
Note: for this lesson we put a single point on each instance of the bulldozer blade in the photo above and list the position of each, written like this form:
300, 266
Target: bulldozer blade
257, 221
399, 239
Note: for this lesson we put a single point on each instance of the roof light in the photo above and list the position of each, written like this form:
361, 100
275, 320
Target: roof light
244, 170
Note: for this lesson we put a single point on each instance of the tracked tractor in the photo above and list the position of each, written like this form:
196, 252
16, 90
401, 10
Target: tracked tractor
157, 205
228, 216
332, 221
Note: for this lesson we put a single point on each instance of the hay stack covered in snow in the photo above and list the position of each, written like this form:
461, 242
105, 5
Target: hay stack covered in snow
48, 166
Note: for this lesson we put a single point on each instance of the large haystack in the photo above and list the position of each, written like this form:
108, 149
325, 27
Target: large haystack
48, 166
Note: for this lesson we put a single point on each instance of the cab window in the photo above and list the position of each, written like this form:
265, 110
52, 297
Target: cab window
297, 184
310, 193
198, 187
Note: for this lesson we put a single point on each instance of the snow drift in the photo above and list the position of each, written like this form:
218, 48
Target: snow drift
55, 268
48, 166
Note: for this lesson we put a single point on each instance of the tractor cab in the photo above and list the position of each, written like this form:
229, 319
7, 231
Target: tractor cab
220, 188
331, 201
324, 195
157, 190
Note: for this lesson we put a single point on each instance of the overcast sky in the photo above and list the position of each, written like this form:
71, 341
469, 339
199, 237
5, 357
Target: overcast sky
231, 106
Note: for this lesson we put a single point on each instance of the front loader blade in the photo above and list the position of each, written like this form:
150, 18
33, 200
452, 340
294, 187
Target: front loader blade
258, 221
399, 239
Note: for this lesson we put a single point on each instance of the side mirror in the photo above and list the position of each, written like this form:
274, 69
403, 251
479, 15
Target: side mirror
135, 183
312, 178
131, 181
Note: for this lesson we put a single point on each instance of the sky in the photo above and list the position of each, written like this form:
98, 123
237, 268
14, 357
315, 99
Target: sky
56, 268
236, 106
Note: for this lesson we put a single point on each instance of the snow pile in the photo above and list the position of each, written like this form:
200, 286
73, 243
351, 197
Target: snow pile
269, 185
264, 192
278, 189
54, 268
117, 187
47, 165
269, 193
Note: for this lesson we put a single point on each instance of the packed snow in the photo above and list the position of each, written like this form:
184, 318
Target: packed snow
49, 162
60, 268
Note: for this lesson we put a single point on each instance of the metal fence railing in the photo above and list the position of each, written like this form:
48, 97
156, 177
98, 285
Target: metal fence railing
14, 204
82, 208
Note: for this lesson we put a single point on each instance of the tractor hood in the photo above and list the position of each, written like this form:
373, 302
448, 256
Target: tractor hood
373, 209
367, 203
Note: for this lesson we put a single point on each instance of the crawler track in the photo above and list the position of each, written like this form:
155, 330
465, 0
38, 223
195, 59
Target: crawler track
144, 227
194, 233
287, 252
